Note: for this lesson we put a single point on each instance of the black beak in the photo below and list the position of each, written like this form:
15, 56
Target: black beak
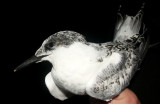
31, 60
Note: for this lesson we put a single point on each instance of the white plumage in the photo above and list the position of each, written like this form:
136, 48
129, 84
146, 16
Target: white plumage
100, 70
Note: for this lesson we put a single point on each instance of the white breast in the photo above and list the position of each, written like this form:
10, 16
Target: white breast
78, 61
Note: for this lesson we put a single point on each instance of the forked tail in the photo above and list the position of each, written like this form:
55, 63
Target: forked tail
128, 26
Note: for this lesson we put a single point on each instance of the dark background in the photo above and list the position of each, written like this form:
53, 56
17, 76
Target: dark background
25, 25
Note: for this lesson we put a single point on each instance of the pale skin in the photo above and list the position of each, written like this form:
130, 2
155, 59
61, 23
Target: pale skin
125, 97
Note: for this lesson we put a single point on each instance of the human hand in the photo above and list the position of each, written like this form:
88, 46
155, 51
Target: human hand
125, 97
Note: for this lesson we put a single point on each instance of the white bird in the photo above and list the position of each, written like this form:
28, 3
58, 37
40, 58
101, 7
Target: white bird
101, 70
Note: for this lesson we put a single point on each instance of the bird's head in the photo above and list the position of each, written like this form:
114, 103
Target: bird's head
59, 39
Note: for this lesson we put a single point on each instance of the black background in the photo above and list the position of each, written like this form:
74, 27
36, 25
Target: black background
25, 25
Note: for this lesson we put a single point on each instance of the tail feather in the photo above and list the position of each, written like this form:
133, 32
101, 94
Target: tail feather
143, 48
128, 26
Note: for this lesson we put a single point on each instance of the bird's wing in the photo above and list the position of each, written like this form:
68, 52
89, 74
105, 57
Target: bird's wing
112, 79
54, 89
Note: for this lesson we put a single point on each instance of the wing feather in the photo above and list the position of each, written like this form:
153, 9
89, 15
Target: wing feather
110, 81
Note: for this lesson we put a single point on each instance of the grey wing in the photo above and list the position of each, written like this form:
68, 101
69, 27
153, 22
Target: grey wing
111, 80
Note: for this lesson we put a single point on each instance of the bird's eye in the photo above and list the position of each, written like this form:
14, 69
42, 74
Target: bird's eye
50, 44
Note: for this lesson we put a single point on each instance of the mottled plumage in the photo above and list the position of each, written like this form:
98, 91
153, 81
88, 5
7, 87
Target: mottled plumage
99, 70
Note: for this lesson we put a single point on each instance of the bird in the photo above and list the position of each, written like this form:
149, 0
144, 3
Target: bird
99, 70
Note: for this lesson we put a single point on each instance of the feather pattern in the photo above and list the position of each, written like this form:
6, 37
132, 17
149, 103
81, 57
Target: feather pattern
100, 70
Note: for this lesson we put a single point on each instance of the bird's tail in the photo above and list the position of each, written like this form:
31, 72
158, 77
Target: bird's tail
127, 26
